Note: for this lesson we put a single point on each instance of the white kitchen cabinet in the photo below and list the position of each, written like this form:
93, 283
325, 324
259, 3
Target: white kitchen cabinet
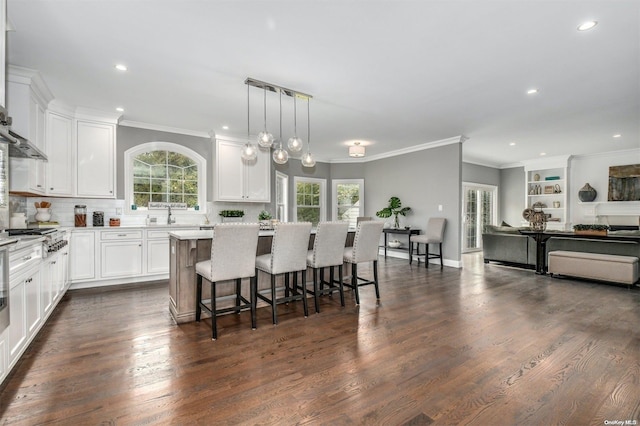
27, 97
59, 168
33, 309
157, 252
82, 255
18, 319
47, 286
120, 253
95, 153
237, 180
4, 355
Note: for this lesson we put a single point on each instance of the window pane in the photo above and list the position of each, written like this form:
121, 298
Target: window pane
175, 172
191, 200
175, 198
191, 173
190, 187
141, 169
159, 171
141, 199
157, 185
309, 214
159, 198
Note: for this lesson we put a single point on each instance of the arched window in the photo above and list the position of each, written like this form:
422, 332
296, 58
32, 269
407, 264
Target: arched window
164, 172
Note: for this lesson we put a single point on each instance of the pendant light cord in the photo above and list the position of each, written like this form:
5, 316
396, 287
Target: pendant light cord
248, 129
280, 118
308, 128
265, 108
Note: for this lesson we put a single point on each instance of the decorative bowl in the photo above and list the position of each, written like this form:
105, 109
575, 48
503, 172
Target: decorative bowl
395, 244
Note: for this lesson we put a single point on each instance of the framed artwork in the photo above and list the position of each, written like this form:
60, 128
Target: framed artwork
624, 183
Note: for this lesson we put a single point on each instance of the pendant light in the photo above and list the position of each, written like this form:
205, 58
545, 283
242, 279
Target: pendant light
280, 155
307, 159
265, 139
249, 151
295, 143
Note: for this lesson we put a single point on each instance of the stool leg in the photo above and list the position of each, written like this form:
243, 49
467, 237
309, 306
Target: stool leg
441, 263
286, 285
274, 313
375, 278
426, 256
254, 299
354, 281
316, 290
295, 284
198, 297
341, 285
304, 293
238, 291
214, 326
331, 278
410, 250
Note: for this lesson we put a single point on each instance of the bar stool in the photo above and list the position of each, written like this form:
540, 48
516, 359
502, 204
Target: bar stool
328, 249
433, 235
233, 256
288, 255
365, 249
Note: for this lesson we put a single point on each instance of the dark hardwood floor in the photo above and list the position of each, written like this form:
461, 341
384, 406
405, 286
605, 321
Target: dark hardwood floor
485, 345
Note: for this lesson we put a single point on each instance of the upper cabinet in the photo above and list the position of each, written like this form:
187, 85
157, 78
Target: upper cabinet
60, 165
95, 153
27, 100
237, 180
546, 185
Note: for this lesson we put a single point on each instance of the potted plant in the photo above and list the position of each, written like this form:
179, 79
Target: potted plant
264, 217
590, 229
231, 215
394, 208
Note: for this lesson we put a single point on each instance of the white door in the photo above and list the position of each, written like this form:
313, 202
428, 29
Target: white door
479, 208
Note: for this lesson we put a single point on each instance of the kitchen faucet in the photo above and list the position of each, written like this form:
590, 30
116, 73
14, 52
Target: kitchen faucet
170, 220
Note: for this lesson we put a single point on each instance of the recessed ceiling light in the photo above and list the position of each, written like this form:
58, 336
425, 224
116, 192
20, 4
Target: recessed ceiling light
543, 153
512, 144
532, 91
585, 26
225, 127
121, 67
617, 135
120, 109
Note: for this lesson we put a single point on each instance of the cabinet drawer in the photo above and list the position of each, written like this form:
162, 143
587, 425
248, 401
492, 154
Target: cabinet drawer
157, 234
121, 235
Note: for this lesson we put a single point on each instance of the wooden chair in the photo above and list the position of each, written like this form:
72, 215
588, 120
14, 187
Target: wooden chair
233, 249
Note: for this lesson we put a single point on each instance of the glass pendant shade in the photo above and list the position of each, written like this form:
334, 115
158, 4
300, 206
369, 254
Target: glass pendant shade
265, 139
280, 155
249, 152
294, 144
307, 160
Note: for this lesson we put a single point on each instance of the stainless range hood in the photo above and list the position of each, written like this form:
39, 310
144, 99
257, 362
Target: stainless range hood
20, 147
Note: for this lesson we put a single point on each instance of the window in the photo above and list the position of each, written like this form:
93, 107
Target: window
164, 172
479, 208
348, 200
310, 195
282, 192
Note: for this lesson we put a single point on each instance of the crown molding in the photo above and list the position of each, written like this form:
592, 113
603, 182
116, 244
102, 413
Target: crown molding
159, 128
33, 78
632, 151
395, 153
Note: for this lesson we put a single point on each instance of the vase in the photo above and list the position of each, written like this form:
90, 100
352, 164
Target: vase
43, 215
587, 193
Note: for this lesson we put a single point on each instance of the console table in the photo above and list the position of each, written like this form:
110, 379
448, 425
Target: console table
542, 237
402, 231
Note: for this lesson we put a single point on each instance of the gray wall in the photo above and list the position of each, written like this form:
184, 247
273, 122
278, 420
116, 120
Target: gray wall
128, 137
475, 173
511, 195
422, 180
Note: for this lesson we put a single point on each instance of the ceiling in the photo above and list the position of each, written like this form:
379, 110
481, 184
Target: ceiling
395, 74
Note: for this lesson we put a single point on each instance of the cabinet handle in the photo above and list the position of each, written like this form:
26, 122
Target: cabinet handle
50, 189
122, 235
26, 258
39, 186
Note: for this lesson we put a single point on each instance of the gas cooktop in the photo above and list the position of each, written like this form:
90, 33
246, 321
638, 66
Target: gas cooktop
30, 231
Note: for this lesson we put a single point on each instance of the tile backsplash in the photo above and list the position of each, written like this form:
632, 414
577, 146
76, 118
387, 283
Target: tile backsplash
62, 211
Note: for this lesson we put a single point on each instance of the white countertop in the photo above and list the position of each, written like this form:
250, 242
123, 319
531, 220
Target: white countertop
115, 228
207, 234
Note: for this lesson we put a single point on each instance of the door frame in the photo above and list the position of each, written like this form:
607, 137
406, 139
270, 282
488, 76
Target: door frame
494, 212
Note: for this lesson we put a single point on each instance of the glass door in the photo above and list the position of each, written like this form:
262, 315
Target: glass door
479, 208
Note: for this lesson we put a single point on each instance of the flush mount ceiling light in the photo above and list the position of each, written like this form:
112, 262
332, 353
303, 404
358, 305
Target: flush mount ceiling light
249, 151
585, 26
617, 135
532, 91
356, 150
121, 67
265, 139
512, 144
120, 109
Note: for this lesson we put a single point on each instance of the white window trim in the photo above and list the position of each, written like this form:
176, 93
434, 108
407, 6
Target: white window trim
334, 195
323, 195
285, 195
201, 163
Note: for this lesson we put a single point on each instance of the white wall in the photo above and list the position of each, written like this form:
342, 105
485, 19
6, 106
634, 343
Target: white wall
594, 169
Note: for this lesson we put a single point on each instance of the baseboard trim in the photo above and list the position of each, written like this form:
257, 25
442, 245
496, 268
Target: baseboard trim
405, 255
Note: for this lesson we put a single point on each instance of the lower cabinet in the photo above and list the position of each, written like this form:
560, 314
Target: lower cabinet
4, 355
82, 255
121, 259
157, 252
25, 312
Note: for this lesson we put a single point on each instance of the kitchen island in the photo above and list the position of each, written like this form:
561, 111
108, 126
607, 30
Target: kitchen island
189, 247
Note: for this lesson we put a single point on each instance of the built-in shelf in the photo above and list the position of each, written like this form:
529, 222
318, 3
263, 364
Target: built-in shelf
610, 208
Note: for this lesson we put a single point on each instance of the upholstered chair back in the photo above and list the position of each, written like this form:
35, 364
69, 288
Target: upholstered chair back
328, 245
233, 251
289, 247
